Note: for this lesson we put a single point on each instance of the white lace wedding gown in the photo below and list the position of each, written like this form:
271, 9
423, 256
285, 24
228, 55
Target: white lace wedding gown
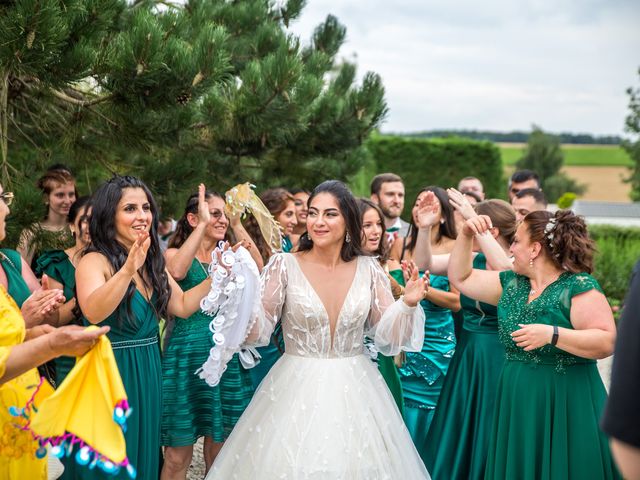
324, 412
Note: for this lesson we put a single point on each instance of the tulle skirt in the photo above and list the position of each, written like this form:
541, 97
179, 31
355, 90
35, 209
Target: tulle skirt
320, 419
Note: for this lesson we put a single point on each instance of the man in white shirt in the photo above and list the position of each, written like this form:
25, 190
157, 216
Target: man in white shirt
387, 191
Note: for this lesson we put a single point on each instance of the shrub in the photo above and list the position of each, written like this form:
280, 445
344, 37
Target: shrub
442, 162
566, 200
618, 251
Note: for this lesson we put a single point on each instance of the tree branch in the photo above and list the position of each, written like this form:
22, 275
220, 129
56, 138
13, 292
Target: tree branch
81, 103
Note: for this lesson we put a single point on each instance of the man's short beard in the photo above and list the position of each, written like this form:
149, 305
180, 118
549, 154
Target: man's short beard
387, 213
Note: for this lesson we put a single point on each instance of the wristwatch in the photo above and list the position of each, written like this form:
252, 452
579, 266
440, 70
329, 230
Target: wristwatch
554, 337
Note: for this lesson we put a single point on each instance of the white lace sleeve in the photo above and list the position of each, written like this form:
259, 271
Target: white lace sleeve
393, 326
273, 286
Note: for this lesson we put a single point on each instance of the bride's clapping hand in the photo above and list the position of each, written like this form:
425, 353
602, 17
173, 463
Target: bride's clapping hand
428, 213
416, 288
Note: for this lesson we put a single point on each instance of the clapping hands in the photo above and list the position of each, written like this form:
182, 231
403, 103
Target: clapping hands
41, 304
416, 286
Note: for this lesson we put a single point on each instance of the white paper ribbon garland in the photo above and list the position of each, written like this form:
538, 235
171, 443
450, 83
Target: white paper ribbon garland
234, 299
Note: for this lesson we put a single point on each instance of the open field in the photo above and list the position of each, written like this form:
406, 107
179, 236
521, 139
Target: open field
583, 155
604, 183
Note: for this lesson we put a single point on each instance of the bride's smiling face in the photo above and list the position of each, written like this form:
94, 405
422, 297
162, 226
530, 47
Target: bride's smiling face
325, 223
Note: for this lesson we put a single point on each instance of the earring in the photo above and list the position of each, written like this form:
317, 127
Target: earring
442, 220
531, 262
347, 237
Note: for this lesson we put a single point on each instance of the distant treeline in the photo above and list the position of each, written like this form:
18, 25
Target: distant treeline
515, 137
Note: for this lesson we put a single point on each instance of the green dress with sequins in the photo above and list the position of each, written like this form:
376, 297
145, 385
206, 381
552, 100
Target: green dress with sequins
458, 439
57, 265
424, 372
191, 408
549, 401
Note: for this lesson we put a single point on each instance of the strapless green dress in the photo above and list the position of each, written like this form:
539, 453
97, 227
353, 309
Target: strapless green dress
423, 373
458, 439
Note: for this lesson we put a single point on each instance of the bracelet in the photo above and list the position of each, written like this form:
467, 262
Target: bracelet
554, 337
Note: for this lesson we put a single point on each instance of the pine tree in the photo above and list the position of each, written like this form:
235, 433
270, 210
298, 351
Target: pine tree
209, 90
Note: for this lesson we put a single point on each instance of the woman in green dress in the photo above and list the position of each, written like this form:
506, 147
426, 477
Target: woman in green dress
423, 373
191, 408
281, 204
58, 188
458, 439
60, 267
122, 282
554, 321
374, 242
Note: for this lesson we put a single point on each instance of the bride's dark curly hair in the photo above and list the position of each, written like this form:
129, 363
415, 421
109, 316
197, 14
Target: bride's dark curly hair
564, 238
349, 210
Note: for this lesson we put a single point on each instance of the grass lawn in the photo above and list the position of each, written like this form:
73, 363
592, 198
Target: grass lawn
584, 155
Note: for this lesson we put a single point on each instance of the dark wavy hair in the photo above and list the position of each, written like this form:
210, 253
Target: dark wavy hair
74, 210
446, 229
349, 210
382, 252
102, 229
183, 228
564, 238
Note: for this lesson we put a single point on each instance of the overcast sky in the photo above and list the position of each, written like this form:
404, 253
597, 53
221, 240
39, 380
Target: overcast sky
495, 64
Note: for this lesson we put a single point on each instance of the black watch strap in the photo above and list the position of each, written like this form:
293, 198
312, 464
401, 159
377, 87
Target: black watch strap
554, 337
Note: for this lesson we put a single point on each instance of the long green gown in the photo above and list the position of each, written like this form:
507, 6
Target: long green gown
191, 408
57, 265
458, 439
423, 373
137, 352
548, 401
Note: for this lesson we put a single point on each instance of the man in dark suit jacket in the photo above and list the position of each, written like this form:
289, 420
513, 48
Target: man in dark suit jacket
387, 191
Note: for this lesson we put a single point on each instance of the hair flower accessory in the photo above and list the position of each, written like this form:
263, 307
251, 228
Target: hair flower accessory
549, 230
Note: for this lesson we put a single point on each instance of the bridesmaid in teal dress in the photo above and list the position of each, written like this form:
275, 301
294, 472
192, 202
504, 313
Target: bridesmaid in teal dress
122, 282
281, 204
191, 408
458, 439
59, 266
423, 373
374, 242
554, 322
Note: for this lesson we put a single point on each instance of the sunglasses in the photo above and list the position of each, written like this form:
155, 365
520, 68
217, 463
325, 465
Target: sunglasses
7, 198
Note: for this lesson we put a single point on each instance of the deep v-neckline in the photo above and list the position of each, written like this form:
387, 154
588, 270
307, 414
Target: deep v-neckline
332, 331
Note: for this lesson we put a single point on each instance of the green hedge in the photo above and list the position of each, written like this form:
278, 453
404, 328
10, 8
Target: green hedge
442, 162
618, 251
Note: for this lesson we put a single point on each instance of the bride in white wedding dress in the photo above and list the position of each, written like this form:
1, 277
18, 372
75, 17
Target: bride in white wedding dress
324, 412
